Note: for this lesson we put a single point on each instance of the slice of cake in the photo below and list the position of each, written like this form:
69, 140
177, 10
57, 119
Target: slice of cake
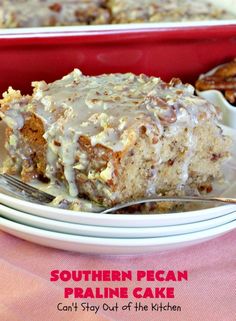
114, 137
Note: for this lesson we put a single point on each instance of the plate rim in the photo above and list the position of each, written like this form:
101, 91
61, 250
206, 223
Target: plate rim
86, 240
54, 210
8, 213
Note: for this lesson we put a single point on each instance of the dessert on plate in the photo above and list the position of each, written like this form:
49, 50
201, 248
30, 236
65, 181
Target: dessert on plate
114, 137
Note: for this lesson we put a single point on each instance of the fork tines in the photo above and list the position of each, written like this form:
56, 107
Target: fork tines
28, 189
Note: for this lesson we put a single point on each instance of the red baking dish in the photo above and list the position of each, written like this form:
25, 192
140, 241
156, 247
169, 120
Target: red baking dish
166, 52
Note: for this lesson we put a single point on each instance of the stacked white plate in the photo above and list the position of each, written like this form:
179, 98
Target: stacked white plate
112, 233
116, 233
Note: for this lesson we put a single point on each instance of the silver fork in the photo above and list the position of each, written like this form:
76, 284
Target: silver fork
27, 189
46, 198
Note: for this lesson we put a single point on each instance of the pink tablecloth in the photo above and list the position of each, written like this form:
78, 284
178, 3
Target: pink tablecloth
28, 295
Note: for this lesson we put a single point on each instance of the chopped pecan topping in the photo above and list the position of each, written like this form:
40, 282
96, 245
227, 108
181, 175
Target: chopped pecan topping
56, 143
56, 7
215, 157
170, 162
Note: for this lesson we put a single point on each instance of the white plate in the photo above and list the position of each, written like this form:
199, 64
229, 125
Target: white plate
97, 245
228, 110
132, 220
115, 220
112, 232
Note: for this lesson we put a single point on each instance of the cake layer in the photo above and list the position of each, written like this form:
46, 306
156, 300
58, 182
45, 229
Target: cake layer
114, 137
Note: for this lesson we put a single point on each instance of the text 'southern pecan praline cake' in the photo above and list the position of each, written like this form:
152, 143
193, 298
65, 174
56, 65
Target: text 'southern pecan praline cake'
114, 137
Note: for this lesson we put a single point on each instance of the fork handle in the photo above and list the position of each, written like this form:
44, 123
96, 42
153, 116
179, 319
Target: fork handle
225, 200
